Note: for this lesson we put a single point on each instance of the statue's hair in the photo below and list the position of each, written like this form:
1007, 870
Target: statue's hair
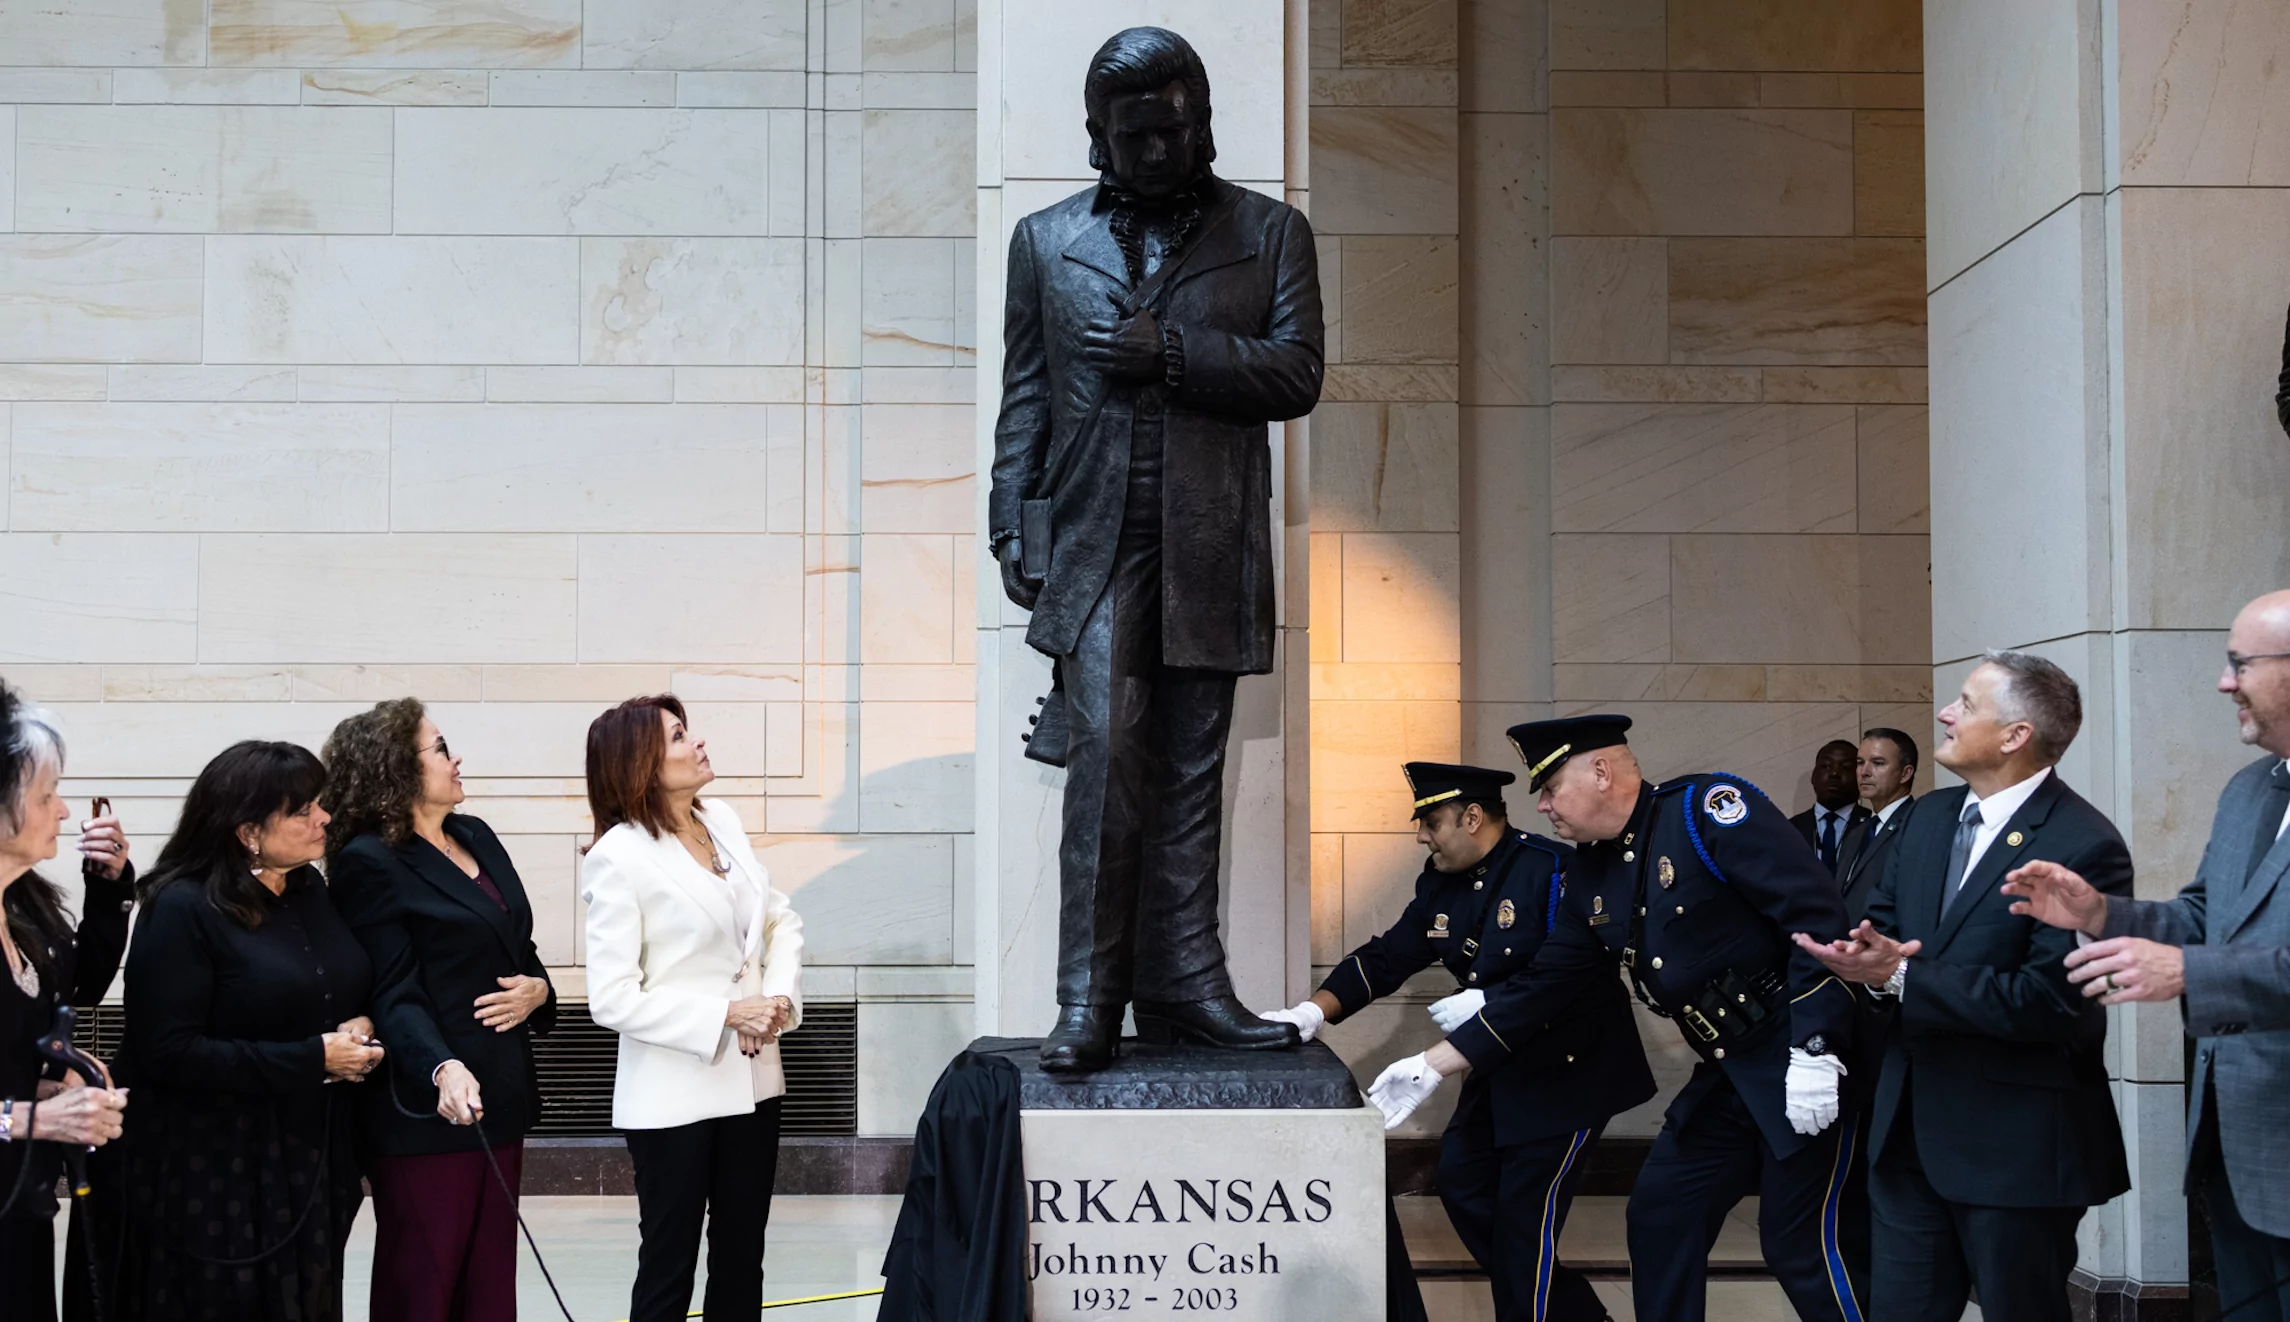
1144, 60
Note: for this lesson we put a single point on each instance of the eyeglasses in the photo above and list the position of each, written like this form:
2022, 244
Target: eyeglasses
2238, 663
440, 749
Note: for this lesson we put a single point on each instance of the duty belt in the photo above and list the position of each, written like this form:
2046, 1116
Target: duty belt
1734, 1006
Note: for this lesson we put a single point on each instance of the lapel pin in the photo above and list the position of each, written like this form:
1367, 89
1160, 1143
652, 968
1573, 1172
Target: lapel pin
2014, 839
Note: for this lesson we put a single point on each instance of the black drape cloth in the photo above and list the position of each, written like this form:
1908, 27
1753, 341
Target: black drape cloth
958, 1253
238, 1178
1403, 1297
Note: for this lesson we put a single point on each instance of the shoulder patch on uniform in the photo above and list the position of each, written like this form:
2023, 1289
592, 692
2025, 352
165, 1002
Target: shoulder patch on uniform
1725, 805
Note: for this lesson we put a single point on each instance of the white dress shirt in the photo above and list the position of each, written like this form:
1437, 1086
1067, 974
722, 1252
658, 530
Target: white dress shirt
1995, 810
1885, 813
1822, 817
2285, 823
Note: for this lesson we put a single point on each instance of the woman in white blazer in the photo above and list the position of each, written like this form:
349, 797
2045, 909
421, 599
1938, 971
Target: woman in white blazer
697, 963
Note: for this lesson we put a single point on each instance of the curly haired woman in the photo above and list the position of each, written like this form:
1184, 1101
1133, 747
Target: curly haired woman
459, 990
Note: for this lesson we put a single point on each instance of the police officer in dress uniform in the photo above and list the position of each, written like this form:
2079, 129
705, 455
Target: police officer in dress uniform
1522, 1132
1694, 886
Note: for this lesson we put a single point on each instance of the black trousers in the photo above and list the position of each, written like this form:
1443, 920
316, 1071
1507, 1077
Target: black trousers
2253, 1267
28, 1263
722, 1170
1144, 790
1509, 1205
1931, 1253
1812, 1216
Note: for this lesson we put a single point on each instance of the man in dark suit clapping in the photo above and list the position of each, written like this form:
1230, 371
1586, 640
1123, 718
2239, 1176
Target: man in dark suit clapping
1994, 1130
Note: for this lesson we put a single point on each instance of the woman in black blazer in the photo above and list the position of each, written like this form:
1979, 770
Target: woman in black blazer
459, 992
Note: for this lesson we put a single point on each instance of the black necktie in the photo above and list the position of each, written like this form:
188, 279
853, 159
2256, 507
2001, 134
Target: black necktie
2271, 805
1960, 853
1829, 840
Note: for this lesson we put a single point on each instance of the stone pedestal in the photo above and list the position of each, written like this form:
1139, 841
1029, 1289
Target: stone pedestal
1183, 1180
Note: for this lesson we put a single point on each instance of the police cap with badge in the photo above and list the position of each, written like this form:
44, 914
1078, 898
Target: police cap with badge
1545, 746
1437, 783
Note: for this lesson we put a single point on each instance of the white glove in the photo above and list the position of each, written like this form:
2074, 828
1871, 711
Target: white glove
1307, 1017
1809, 1093
1451, 1013
1403, 1086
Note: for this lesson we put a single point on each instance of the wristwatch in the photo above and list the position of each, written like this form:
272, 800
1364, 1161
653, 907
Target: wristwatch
8, 1121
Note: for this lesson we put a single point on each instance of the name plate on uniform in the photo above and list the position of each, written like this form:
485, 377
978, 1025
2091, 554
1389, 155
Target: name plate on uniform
1271, 1214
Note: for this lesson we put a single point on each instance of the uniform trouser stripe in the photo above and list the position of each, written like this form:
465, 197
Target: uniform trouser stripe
1841, 1171
1548, 1258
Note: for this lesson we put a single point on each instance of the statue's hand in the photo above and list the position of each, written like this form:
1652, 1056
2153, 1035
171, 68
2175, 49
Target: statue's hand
1021, 590
1127, 348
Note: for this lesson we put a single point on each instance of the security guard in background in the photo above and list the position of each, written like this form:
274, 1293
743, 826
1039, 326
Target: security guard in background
1523, 1128
1695, 886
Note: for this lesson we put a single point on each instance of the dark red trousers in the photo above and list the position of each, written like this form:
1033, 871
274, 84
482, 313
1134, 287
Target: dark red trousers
445, 1239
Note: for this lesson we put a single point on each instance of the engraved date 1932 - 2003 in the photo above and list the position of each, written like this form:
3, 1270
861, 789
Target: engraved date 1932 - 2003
1117, 1299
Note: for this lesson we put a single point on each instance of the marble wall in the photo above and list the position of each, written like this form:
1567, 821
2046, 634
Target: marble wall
521, 356
1395, 116
2106, 282
1737, 475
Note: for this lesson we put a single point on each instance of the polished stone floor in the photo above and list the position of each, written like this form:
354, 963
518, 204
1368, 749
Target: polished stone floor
828, 1245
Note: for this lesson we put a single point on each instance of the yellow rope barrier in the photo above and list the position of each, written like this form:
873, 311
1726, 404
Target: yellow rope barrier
814, 1299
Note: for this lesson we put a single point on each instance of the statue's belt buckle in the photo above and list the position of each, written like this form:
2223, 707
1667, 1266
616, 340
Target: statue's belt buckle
1703, 1028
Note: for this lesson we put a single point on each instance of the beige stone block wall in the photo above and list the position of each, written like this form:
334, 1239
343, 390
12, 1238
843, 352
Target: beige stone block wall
522, 356
1738, 485
1387, 203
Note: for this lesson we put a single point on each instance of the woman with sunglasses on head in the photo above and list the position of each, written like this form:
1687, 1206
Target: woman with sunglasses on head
459, 994
247, 1004
51, 961
697, 963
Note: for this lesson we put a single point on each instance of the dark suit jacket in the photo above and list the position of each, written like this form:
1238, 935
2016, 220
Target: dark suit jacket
1247, 308
438, 943
1810, 829
1863, 855
1995, 1055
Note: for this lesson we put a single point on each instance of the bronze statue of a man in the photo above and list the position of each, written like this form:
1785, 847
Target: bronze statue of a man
1155, 324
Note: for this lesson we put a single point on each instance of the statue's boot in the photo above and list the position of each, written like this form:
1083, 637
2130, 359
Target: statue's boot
1219, 1021
1083, 1040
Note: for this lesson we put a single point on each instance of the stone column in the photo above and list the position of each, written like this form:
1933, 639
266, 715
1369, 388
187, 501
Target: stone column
2110, 251
1032, 150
